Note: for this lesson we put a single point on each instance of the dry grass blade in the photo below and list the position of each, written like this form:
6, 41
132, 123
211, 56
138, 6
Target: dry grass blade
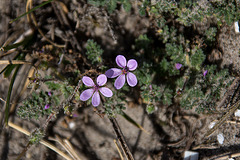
67, 146
14, 62
60, 12
230, 89
120, 153
47, 144
33, 19
22, 39
2, 100
70, 148
223, 119
121, 138
228, 156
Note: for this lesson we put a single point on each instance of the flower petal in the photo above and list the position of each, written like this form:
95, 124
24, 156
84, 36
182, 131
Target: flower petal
205, 73
121, 61
120, 81
49, 93
131, 79
85, 95
106, 91
101, 79
96, 99
178, 66
132, 64
88, 81
47, 106
113, 72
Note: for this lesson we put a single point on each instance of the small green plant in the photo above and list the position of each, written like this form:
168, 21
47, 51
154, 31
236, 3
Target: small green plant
115, 105
38, 105
94, 52
171, 55
43, 103
36, 136
111, 4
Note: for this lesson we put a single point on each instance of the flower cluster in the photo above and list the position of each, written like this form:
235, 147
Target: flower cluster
121, 75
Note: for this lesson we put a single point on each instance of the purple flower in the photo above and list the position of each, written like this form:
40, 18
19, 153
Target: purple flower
47, 106
205, 73
150, 87
178, 66
49, 93
41, 51
131, 65
75, 115
93, 91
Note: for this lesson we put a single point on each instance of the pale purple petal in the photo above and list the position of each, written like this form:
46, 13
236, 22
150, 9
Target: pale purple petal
46, 106
49, 94
106, 91
131, 79
205, 73
150, 87
113, 72
88, 81
132, 64
96, 99
178, 66
101, 79
85, 95
121, 61
120, 81
75, 115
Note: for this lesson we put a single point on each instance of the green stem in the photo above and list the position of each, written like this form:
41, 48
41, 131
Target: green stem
9, 94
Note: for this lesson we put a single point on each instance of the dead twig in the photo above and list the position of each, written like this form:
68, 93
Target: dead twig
14, 62
228, 156
19, 40
45, 143
121, 138
228, 92
67, 146
59, 11
33, 19
230, 111
223, 119
120, 153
